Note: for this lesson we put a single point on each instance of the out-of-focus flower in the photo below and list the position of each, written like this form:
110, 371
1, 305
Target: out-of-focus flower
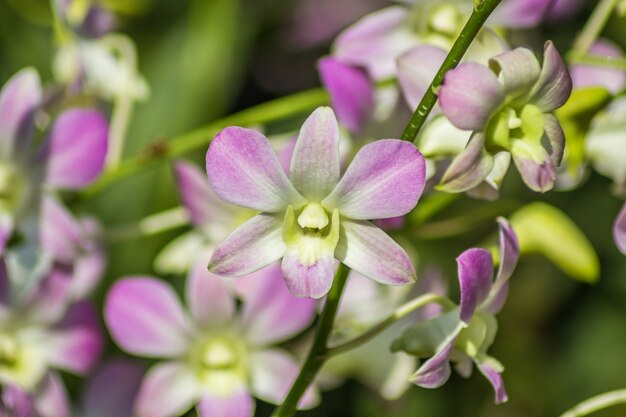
71, 157
41, 333
605, 145
111, 390
464, 334
313, 219
509, 107
619, 230
363, 305
213, 357
586, 75
73, 243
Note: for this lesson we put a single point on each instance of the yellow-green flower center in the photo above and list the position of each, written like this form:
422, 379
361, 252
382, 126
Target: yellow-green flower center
220, 363
314, 235
21, 363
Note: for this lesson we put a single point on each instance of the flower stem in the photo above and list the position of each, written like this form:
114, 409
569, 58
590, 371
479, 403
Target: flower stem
318, 352
594, 26
401, 312
180, 145
597, 403
151, 225
470, 30
612, 62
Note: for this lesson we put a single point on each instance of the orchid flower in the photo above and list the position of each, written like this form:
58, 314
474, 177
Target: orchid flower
509, 107
464, 334
73, 243
619, 230
39, 333
86, 18
212, 357
71, 157
314, 219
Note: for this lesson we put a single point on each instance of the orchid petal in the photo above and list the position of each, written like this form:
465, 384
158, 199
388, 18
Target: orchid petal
375, 41
385, 179
441, 138
77, 342
435, 371
509, 255
237, 404
112, 389
16, 402
244, 170
88, 272
52, 400
198, 198
168, 389
315, 161
6, 230
494, 377
534, 165
469, 168
59, 230
517, 70
279, 320
368, 250
252, 246
416, 69
19, 99
475, 278
181, 253
556, 138
613, 80
309, 281
207, 297
351, 92
273, 372
554, 85
519, 14
619, 230
48, 301
76, 149
145, 318
469, 96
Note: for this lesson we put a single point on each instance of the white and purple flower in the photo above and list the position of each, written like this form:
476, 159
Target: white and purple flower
71, 157
41, 333
211, 356
464, 334
315, 218
508, 106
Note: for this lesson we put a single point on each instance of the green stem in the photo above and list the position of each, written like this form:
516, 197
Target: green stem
470, 30
180, 145
400, 313
317, 354
617, 63
594, 26
597, 403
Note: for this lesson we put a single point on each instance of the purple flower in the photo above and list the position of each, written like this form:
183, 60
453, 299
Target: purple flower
613, 80
509, 107
72, 243
212, 356
619, 230
314, 218
464, 334
42, 333
71, 157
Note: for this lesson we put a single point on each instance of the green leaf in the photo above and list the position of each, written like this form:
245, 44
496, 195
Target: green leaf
544, 229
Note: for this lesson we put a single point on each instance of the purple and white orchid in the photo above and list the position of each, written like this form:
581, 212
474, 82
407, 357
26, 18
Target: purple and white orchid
315, 218
509, 107
464, 334
71, 157
40, 333
212, 356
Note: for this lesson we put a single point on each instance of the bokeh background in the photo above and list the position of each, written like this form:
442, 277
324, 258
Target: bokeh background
561, 340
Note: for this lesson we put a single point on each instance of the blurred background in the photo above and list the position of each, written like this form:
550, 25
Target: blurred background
560, 340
